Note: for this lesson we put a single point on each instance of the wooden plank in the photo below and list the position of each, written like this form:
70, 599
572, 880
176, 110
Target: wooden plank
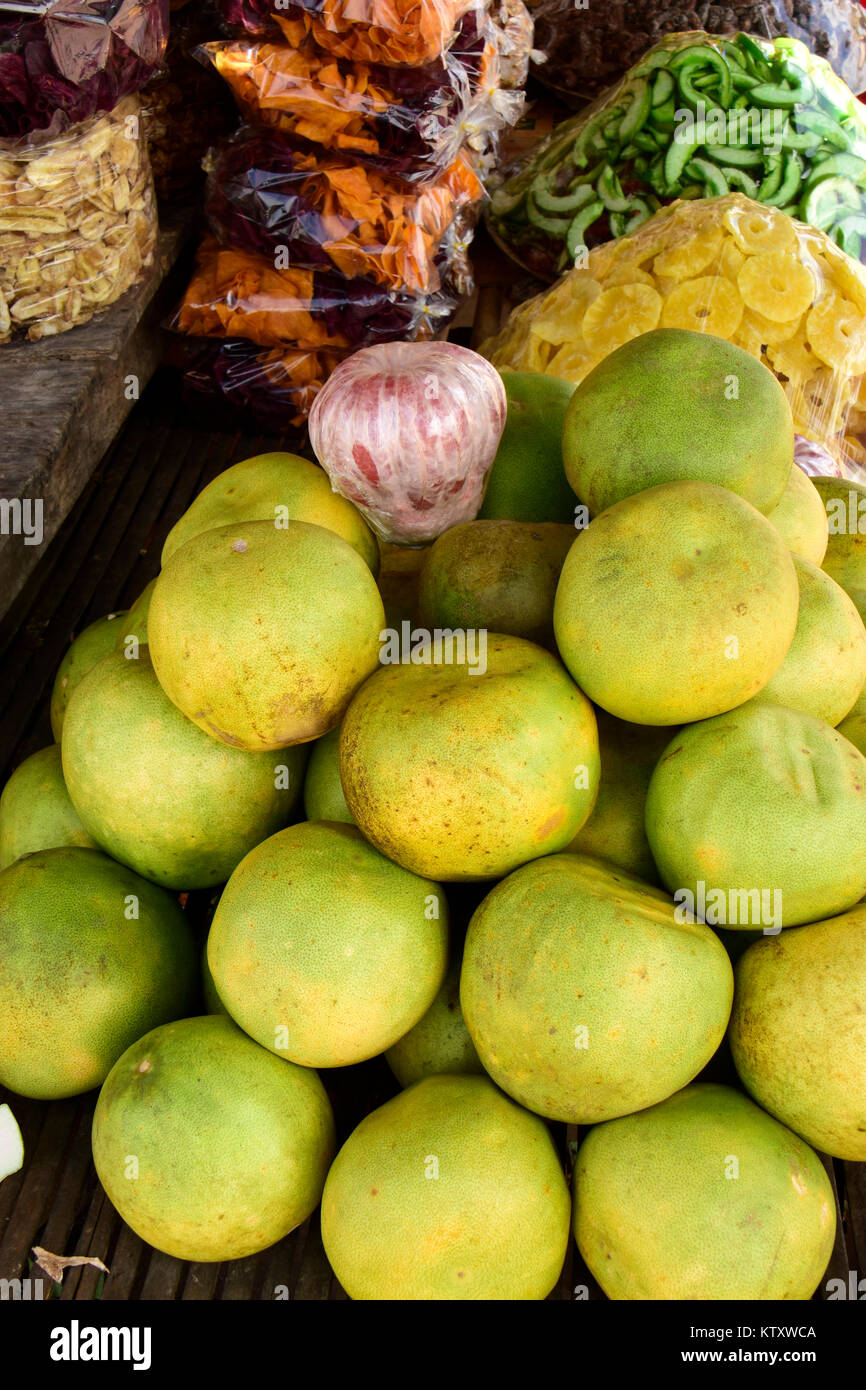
855, 1184
838, 1265
66, 397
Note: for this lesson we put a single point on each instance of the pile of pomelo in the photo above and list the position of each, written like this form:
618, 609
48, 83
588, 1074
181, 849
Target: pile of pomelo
641, 737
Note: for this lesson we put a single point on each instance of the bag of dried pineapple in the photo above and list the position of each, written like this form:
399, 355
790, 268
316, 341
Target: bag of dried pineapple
727, 266
77, 221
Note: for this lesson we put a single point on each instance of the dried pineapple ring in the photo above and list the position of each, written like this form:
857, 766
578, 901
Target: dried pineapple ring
629, 273
837, 334
770, 330
572, 362
793, 360
731, 258
536, 354
563, 310
777, 286
848, 276
620, 314
757, 230
692, 257
710, 304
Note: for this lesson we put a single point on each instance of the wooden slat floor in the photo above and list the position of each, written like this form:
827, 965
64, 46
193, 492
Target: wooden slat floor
106, 552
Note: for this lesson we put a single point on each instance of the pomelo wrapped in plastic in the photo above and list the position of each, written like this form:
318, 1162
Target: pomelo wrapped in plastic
408, 432
728, 266
698, 117
409, 123
327, 211
65, 60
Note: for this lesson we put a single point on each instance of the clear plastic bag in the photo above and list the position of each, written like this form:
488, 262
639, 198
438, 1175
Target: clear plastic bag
327, 212
698, 116
394, 33
235, 293
64, 61
408, 123
587, 49
77, 222
276, 386
782, 291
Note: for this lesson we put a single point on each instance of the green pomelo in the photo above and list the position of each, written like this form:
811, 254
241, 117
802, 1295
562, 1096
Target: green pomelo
89, 646
260, 635
464, 770
854, 726
323, 950
498, 575
615, 830
231, 1145
136, 620
676, 406
93, 956
585, 996
159, 794
323, 790
761, 814
675, 605
212, 1001
276, 488
800, 518
35, 809
825, 668
702, 1197
439, 1044
449, 1191
527, 481
798, 1031
845, 560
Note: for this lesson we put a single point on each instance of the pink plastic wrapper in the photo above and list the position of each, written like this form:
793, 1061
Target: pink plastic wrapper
815, 460
408, 432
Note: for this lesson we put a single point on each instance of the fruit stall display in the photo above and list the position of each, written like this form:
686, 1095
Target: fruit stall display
433, 801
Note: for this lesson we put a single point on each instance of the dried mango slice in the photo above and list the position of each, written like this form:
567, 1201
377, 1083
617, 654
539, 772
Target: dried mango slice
757, 230
777, 286
710, 304
690, 259
620, 314
837, 333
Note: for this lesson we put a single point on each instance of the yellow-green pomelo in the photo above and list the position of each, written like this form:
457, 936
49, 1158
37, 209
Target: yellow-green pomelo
323, 950
615, 830
675, 605
231, 1145
584, 994
449, 1191
703, 1197
845, 560
156, 792
276, 488
465, 769
89, 646
854, 726
825, 668
765, 809
261, 634
439, 1043
527, 481
135, 625
798, 1031
323, 791
673, 405
800, 518
35, 809
498, 575
93, 956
